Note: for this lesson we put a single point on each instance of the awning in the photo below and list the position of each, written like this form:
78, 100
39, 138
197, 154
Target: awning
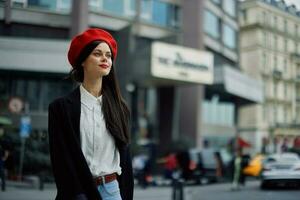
238, 84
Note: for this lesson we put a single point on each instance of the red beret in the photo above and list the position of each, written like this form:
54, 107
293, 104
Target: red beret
80, 41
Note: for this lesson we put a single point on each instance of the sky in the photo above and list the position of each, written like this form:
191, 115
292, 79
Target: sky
289, 2
296, 2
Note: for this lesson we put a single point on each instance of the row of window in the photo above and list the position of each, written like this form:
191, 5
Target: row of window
153, 11
279, 90
279, 43
281, 23
276, 114
219, 30
36, 91
229, 6
271, 62
214, 112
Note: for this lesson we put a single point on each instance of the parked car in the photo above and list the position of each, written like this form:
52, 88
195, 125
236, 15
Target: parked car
281, 170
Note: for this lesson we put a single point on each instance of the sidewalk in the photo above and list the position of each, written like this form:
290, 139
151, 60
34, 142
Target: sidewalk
25, 191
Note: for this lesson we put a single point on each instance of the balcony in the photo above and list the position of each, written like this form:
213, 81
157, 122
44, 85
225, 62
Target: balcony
277, 74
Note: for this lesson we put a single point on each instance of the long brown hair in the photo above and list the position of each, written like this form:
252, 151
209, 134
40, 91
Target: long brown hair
115, 111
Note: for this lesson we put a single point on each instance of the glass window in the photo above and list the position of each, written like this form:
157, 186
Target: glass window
285, 26
174, 16
229, 7
216, 1
160, 11
211, 24
229, 36
95, 4
114, 6
129, 7
45, 4
64, 5
146, 9
215, 112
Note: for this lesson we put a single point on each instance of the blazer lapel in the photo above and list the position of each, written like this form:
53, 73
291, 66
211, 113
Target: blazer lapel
74, 107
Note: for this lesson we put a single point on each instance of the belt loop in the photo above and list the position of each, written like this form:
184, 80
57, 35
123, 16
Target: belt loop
103, 179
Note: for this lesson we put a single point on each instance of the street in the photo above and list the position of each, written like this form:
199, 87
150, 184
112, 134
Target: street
207, 192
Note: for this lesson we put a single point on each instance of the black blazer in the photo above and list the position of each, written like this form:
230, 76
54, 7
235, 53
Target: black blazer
71, 172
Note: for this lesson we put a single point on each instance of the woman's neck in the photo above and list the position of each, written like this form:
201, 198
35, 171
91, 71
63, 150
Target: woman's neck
93, 86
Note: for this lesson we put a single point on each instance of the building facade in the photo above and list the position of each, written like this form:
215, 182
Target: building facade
167, 106
270, 47
231, 89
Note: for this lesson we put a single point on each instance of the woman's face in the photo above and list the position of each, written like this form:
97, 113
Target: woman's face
99, 62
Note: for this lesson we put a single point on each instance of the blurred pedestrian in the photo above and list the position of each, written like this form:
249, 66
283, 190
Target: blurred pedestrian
237, 169
169, 164
139, 164
184, 164
88, 128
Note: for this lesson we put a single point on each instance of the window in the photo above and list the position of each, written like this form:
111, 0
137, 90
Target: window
285, 45
264, 63
229, 36
285, 26
285, 91
160, 13
64, 5
211, 24
230, 7
275, 62
174, 16
130, 8
114, 6
264, 17
265, 41
216, 1
275, 42
275, 21
274, 90
285, 65
296, 30
274, 114
146, 9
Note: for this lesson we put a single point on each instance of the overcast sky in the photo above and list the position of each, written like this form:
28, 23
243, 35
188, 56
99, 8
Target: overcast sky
296, 2
289, 2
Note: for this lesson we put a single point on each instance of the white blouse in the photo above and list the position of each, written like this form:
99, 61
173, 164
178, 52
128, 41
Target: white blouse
97, 144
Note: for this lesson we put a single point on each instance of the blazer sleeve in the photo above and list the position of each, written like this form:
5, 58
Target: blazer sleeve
63, 167
126, 178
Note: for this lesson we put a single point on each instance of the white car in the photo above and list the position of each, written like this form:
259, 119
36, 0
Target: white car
281, 170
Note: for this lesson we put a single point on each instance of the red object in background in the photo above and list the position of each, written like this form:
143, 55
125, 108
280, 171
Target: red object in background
243, 143
297, 142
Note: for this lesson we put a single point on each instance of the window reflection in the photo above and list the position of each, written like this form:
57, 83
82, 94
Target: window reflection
229, 7
211, 24
229, 36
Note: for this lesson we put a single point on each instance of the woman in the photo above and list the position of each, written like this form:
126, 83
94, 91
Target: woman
88, 129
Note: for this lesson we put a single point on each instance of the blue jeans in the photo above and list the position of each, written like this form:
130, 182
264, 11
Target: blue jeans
110, 191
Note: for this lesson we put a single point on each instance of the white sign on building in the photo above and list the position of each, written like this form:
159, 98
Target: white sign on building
181, 63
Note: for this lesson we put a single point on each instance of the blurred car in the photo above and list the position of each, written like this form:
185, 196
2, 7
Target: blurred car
281, 170
255, 166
